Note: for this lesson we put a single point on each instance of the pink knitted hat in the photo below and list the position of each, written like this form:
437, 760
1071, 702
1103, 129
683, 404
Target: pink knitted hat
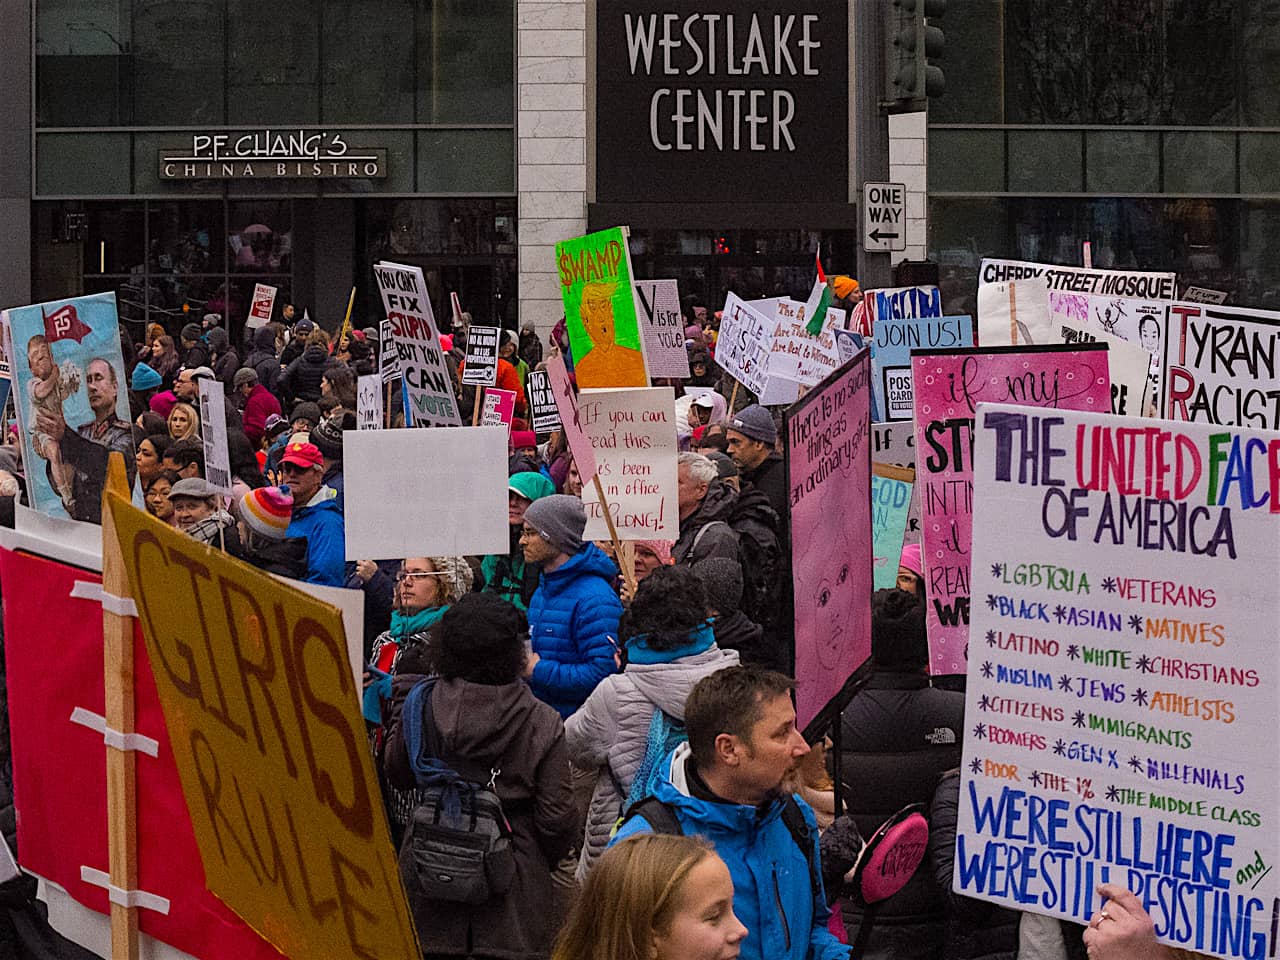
267, 510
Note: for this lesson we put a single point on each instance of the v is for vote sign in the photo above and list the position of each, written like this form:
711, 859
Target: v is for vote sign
1121, 709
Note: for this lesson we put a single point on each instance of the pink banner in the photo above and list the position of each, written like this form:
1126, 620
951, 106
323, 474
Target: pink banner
829, 472
948, 385
566, 397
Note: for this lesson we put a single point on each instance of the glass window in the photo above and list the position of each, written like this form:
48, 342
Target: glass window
1122, 161
1259, 161
1199, 163
82, 164
1045, 160
273, 62
466, 161
966, 161
369, 63
186, 237
973, 65
115, 238
179, 62
84, 63
466, 61
260, 236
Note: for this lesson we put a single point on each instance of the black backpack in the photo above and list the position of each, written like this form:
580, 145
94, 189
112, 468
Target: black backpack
457, 844
662, 818
756, 524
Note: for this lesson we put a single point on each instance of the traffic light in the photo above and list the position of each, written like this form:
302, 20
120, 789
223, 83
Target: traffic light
912, 45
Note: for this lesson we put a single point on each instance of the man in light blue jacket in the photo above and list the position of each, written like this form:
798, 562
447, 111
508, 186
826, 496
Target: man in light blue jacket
727, 785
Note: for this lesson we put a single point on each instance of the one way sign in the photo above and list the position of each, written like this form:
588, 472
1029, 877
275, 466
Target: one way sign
884, 212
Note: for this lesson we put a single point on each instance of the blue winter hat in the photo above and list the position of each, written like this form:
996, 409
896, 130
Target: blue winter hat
144, 378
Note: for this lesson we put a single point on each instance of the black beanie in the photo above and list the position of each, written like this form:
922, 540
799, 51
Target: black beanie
898, 639
722, 579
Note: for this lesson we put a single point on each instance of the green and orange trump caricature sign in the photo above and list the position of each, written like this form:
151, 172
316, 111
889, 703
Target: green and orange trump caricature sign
600, 310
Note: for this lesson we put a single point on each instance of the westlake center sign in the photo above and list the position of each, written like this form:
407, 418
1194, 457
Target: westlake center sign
271, 155
751, 91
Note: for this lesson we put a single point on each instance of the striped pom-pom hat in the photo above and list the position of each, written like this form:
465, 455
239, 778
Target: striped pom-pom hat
267, 510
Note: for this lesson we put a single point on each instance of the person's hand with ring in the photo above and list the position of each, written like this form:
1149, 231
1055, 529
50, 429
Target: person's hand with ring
1122, 930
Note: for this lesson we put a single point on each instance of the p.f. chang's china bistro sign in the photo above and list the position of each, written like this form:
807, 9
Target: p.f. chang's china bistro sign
271, 155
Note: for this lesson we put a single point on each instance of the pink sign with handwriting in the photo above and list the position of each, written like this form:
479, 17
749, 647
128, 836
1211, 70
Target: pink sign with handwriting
948, 385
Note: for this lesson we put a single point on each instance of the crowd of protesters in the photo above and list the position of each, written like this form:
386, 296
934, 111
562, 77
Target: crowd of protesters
549, 670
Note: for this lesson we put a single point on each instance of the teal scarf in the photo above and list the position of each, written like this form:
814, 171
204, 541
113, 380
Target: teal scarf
700, 640
405, 625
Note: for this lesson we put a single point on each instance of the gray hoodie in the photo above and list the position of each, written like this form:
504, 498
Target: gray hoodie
610, 730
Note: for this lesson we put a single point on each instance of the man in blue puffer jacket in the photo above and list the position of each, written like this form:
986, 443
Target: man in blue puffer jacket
728, 785
574, 613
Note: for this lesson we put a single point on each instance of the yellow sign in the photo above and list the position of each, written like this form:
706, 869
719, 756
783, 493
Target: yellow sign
262, 713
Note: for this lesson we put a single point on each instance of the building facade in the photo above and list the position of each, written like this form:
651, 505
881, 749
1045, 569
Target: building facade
1150, 128
181, 151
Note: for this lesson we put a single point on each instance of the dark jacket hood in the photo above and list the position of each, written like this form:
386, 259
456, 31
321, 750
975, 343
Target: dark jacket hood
479, 721
264, 338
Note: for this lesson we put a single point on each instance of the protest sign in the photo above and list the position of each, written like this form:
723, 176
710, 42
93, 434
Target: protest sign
1121, 690
499, 408
566, 398
1014, 314
481, 367
894, 339
1139, 284
213, 434
428, 387
544, 415
1220, 366
633, 434
1204, 295
269, 743
901, 302
948, 386
1127, 362
600, 310
369, 402
264, 299
663, 328
457, 474
388, 358
794, 353
60, 777
890, 502
894, 444
828, 459
848, 344
1139, 322
71, 399
742, 351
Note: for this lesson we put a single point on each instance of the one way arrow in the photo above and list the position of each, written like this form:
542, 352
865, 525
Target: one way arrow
877, 236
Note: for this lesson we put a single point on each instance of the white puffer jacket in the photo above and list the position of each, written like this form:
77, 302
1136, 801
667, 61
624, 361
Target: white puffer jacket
610, 730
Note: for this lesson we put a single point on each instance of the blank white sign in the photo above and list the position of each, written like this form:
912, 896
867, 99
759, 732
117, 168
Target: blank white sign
438, 491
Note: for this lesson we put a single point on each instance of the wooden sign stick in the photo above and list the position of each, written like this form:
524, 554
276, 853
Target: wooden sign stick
628, 569
475, 411
733, 398
122, 788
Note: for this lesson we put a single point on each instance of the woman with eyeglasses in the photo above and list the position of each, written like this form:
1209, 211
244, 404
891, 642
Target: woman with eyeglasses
425, 587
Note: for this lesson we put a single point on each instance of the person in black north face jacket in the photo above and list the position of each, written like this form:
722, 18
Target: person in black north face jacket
899, 736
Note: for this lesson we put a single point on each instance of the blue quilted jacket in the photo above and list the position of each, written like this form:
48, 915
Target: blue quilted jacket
573, 624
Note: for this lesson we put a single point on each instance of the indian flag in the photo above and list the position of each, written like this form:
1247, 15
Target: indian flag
815, 308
